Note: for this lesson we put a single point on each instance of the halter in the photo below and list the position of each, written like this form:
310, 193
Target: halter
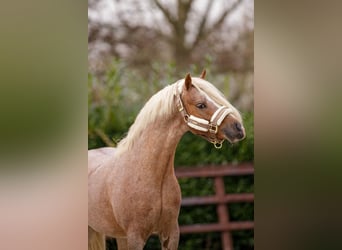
203, 125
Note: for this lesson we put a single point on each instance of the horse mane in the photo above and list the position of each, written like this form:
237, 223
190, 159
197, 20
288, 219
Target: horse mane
162, 104
159, 105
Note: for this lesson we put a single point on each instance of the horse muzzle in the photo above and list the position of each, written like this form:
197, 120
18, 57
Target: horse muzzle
234, 131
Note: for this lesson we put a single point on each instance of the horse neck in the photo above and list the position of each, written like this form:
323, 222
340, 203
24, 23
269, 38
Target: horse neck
155, 148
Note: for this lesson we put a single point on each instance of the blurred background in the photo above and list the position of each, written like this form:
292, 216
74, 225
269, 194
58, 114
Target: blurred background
172, 37
43, 126
135, 48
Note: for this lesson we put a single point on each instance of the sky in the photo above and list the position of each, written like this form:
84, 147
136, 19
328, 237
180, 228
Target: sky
107, 11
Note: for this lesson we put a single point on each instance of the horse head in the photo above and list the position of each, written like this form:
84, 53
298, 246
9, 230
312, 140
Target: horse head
207, 112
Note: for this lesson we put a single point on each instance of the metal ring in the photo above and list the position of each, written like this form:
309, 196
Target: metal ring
217, 145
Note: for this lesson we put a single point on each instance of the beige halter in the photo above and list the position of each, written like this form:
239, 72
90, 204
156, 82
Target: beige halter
202, 124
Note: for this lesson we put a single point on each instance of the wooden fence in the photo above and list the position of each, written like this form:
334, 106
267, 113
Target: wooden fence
221, 199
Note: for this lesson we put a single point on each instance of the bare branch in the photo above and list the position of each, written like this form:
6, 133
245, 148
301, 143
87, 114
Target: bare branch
203, 34
166, 13
220, 21
203, 23
183, 10
104, 137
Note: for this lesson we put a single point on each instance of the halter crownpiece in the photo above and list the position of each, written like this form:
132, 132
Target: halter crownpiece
201, 124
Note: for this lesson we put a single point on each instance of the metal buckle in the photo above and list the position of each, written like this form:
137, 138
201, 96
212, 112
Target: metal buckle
213, 128
180, 105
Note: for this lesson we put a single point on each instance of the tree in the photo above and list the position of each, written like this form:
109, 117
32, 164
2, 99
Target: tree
181, 30
177, 40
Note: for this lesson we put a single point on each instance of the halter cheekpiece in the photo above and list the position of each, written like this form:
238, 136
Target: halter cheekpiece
201, 124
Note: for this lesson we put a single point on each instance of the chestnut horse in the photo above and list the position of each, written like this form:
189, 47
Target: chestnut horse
132, 189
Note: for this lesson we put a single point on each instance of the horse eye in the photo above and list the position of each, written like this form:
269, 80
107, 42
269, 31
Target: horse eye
201, 105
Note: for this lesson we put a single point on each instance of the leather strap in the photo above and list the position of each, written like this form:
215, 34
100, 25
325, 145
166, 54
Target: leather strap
201, 124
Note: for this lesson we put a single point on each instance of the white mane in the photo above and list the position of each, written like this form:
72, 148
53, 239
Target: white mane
159, 105
162, 104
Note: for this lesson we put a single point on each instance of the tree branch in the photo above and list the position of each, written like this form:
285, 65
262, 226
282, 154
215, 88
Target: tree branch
183, 10
104, 137
220, 21
202, 24
166, 13
204, 34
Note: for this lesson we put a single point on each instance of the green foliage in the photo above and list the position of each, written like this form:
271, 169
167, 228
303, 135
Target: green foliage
115, 99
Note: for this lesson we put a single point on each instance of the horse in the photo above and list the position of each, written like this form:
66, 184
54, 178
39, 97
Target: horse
132, 189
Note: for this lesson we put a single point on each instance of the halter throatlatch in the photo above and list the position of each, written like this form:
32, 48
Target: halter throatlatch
203, 125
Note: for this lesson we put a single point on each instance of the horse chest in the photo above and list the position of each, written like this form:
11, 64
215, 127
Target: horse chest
171, 194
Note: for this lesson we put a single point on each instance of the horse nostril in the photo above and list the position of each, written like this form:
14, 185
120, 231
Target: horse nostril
238, 126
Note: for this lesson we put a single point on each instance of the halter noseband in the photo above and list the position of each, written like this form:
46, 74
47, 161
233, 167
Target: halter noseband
203, 125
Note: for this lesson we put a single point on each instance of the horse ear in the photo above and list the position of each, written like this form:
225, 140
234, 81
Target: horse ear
204, 72
188, 82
